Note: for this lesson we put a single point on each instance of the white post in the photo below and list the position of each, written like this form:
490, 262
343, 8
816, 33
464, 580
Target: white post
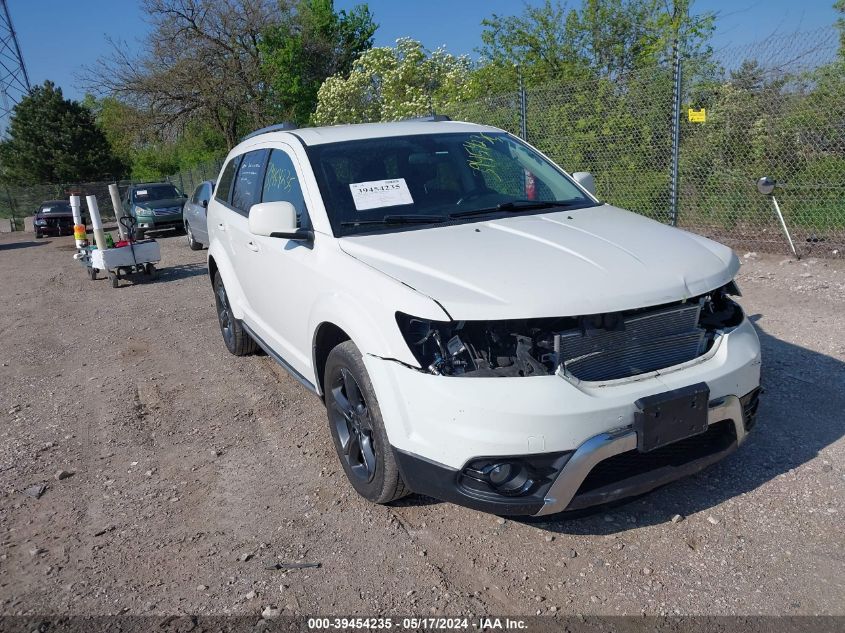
96, 222
118, 210
785, 230
79, 232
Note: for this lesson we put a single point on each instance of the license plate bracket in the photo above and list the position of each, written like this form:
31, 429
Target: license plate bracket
664, 418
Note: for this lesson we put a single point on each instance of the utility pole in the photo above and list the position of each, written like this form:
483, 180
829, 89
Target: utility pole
14, 80
674, 181
523, 107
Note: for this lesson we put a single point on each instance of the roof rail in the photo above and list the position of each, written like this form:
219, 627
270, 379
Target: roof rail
278, 127
430, 117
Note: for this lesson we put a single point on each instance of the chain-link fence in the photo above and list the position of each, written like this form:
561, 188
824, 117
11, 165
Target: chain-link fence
772, 109
20, 202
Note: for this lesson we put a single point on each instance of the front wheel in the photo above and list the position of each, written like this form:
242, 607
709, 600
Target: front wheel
357, 427
139, 235
237, 341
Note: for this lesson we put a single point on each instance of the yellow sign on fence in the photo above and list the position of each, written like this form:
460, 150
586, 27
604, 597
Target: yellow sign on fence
697, 116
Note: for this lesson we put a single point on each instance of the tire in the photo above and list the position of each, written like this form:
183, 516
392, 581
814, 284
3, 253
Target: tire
151, 271
114, 279
139, 234
357, 428
38, 235
237, 341
192, 243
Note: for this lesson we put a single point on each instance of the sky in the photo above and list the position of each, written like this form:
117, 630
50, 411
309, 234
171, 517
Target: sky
58, 38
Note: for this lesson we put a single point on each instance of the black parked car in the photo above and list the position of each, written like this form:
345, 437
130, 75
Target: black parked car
54, 217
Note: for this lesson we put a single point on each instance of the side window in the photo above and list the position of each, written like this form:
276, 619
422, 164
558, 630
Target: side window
224, 188
281, 184
247, 190
197, 194
204, 194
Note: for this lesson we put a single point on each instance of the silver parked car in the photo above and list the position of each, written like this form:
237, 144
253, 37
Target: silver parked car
194, 215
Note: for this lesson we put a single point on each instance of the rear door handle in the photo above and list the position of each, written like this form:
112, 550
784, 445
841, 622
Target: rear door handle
252, 246
221, 227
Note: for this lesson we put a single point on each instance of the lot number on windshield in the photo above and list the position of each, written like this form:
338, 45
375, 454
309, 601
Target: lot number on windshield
380, 193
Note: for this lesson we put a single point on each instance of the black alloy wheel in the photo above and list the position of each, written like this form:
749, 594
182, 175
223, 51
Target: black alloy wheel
357, 427
353, 425
237, 341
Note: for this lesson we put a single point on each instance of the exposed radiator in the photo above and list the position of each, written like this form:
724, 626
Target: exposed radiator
648, 341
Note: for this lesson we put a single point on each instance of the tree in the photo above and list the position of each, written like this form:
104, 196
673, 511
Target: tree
150, 154
55, 140
393, 83
201, 62
313, 43
604, 38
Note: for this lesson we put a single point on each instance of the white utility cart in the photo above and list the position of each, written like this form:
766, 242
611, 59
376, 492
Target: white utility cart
133, 258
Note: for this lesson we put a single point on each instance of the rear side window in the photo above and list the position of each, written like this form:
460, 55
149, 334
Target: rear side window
282, 184
247, 190
224, 188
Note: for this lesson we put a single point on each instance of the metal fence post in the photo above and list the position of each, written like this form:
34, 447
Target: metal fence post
523, 107
676, 132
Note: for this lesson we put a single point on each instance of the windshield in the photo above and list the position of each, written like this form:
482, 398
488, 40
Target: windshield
55, 207
378, 184
148, 193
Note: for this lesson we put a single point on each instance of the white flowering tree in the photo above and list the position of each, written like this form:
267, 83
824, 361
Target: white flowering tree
387, 84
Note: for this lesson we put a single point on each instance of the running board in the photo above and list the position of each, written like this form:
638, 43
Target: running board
276, 357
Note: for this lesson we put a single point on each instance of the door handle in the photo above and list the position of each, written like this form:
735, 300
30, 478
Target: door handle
221, 227
252, 246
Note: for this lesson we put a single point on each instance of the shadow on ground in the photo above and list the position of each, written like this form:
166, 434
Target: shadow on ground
166, 274
10, 246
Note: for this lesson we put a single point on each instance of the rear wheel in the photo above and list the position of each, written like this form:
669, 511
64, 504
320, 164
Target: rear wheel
192, 243
235, 338
357, 427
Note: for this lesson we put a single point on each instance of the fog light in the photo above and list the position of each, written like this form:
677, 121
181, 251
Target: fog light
509, 478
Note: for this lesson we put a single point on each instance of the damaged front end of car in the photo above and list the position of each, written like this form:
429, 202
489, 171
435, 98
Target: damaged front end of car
596, 347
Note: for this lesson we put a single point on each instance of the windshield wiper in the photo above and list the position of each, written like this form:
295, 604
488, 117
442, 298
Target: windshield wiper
398, 219
514, 206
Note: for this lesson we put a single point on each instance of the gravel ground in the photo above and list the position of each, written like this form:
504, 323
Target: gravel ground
192, 473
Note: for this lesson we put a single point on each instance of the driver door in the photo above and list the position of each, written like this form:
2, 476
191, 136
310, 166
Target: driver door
281, 277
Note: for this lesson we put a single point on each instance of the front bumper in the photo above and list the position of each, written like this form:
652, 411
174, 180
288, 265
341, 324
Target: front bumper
439, 424
159, 223
592, 475
56, 231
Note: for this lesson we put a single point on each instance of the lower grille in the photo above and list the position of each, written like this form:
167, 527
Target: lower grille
643, 342
632, 463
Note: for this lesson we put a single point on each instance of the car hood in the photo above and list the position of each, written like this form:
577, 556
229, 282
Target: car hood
586, 261
162, 204
44, 216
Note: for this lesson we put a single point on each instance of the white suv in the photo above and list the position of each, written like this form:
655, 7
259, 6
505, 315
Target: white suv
481, 328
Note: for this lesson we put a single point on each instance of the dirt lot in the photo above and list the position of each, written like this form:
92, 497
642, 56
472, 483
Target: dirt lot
193, 469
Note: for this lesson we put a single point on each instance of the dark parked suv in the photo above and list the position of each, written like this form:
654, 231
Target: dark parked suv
54, 217
155, 206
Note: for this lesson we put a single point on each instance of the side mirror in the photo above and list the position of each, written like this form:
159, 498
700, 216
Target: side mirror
204, 204
586, 180
276, 219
